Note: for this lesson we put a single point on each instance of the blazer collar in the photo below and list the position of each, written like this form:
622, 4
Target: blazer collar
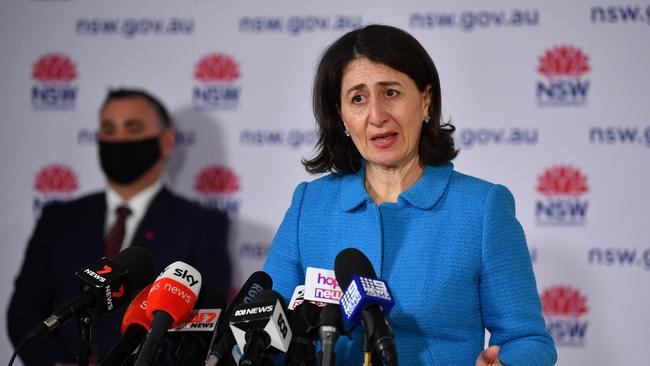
424, 194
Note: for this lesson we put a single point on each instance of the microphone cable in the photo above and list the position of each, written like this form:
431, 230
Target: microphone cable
13, 357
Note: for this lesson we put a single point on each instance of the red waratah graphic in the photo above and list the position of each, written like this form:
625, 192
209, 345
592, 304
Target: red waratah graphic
56, 178
216, 179
562, 181
217, 67
54, 67
563, 61
564, 301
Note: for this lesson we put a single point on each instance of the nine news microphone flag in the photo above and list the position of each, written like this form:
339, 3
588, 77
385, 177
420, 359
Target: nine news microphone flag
366, 300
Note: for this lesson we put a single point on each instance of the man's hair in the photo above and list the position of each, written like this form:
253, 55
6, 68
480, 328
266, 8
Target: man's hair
124, 93
398, 50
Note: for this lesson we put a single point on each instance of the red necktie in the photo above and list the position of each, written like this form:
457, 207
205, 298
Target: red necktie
113, 241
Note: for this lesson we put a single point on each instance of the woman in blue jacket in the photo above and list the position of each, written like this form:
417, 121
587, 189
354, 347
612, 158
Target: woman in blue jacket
447, 244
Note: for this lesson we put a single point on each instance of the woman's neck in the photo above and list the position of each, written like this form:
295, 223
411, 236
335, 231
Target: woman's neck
384, 184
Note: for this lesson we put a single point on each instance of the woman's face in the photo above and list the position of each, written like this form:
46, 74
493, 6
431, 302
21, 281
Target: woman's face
383, 109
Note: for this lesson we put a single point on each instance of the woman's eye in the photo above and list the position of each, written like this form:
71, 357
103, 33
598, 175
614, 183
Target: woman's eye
391, 93
357, 99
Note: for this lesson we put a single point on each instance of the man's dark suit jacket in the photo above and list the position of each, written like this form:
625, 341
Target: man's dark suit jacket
70, 235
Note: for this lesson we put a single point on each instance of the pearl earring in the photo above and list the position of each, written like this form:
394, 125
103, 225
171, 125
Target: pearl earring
427, 119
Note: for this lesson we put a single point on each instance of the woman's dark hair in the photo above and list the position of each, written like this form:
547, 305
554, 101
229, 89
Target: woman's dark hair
389, 46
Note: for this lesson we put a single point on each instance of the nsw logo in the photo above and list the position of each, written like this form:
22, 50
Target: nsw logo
564, 309
563, 188
564, 68
218, 186
216, 75
53, 90
54, 182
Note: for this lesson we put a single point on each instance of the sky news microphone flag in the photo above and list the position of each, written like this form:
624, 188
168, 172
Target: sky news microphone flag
170, 301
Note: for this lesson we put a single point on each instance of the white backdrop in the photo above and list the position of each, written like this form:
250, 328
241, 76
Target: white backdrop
550, 100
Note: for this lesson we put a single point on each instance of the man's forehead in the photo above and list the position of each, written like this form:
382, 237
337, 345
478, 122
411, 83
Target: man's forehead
129, 109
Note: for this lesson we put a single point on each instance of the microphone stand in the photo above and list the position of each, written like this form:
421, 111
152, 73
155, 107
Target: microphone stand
85, 322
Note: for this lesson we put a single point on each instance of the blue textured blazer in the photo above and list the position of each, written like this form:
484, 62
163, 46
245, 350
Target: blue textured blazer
451, 251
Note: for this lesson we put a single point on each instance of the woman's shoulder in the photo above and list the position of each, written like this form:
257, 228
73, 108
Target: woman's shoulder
471, 187
325, 185
469, 181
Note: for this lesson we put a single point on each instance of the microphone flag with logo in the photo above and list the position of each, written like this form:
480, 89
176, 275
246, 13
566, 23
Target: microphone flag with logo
260, 325
192, 337
105, 285
223, 340
366, 301
170, 301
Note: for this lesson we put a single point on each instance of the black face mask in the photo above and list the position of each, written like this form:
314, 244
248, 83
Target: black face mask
124, 162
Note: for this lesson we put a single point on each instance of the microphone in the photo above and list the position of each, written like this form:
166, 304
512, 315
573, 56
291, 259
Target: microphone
170, 301
260, 325
367, 301
105, 285
330, 324
303, 320
134, 328
222, 339
193, 336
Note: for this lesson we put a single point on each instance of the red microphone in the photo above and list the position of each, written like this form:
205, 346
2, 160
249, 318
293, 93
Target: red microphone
169, 303
134, 328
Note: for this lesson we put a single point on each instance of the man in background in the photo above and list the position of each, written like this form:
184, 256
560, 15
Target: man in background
135, 139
